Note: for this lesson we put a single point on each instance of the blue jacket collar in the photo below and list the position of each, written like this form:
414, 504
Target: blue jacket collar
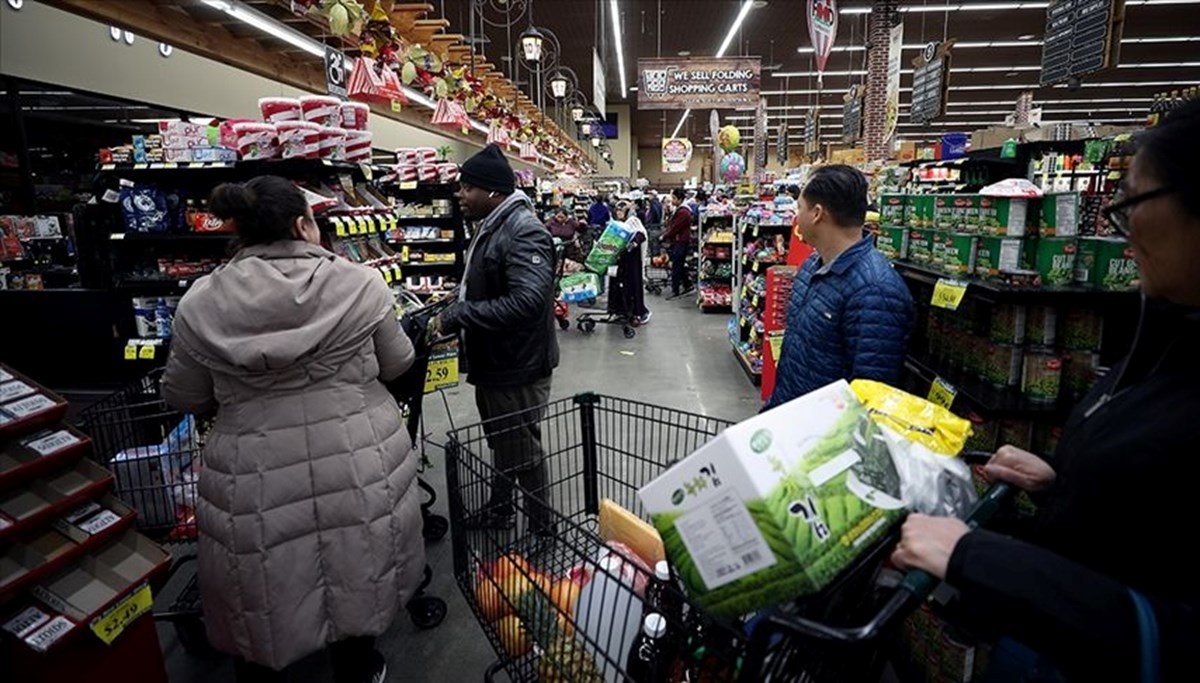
851, 256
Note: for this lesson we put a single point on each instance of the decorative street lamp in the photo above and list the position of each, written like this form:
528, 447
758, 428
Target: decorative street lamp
558, 85
577, 113
531, 44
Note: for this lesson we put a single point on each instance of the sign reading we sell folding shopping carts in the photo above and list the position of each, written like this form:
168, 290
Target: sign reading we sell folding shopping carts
698, 82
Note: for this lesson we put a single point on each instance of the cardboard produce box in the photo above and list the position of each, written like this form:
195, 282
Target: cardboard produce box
778, 505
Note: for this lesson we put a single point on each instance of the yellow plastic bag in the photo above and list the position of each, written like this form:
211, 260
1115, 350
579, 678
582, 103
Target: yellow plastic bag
928, 424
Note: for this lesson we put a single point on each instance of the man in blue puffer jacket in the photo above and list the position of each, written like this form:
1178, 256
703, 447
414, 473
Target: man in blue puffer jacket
850, 313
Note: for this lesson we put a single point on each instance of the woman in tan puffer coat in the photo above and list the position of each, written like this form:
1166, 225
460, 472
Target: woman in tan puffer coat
309, 518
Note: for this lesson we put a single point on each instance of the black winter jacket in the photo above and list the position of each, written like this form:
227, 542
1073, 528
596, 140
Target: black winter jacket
1121, 515
507, 318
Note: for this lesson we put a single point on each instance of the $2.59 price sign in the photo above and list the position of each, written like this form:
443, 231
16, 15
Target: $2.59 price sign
110, 624
443, 369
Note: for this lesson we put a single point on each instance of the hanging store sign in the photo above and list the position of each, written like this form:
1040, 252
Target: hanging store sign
852, 114
812, 130
335, 72
676, 155
892, 104
931, 82
822, 29
781, 146
698, 82
760, 136
599, 85
1082, 37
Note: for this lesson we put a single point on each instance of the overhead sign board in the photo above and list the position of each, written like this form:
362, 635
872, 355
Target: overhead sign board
1082, 37
930, 82
599, 84
699, 82
852, 114
335, 72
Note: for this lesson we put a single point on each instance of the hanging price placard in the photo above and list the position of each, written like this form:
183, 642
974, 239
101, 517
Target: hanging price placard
443, 369
942, 393
775, 339
948, 294
110, 624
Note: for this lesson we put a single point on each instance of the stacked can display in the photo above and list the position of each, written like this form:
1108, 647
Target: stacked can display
1014, 241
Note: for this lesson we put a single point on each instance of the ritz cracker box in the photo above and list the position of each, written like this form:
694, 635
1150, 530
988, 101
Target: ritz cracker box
778, 505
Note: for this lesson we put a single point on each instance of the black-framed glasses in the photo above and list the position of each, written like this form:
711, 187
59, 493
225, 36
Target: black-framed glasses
1117, 212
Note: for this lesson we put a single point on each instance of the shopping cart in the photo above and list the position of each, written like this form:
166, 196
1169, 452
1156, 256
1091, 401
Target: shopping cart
155, 452
657, 274
596, 447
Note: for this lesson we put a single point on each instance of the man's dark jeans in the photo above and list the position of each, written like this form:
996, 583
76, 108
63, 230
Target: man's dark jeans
678, 253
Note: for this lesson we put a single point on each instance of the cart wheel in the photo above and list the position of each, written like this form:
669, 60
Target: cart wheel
435, 527
588, 326
426, 612
564, 324
192, 637
629, 332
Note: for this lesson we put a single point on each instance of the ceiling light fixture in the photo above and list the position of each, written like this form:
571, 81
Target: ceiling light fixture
1026, 36
684, 53
747, 5
616, 22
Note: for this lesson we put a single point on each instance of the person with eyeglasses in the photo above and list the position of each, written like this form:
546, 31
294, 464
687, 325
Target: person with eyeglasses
1101, 588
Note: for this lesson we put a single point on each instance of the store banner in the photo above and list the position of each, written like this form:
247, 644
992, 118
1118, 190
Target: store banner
822, 29
698, 82
760, 136
676, 155
599, 85
892, 106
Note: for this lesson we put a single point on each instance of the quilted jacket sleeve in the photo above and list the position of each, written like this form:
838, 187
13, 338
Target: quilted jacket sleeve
529, 272
393, 349
877, 322
187, 385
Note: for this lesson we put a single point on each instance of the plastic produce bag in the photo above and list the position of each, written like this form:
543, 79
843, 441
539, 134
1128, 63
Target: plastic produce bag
609, 247
924, 439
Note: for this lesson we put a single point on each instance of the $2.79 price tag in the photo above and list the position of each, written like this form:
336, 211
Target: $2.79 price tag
948, 294
114, 621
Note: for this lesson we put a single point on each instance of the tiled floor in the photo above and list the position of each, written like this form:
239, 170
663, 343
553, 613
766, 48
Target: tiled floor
681, 359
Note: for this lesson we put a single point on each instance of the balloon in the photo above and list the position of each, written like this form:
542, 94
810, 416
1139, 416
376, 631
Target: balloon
732, 167
728, 138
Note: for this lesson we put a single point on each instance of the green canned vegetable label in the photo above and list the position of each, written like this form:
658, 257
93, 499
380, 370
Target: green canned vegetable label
1055, 260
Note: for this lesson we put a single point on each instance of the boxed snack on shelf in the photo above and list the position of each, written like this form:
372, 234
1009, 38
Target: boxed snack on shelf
893, 242
279, 109
958, 253
321, 110
1059, 214
1005, 216
331, 143
354, 115
298, 139
251, 139
893, 209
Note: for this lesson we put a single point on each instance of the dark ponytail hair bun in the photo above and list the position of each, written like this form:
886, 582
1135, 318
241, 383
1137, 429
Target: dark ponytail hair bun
263, 209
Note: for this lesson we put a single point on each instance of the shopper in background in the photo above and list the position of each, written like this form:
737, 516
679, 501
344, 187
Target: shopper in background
505, 312
794, 192
562, 227
626, 296
677, 238
309, 520
598, 213
1102, 588
850, 313
654, 212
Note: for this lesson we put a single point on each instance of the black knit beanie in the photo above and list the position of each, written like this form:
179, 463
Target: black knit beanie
489, 170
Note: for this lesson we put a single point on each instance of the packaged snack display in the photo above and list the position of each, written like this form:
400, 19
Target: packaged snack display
354, 115
251, 139
943, 212
1042, 377
921, 210
920, 246
893, 242
1054, 260
776, 506
997, 255
321, 110
1060, 214
298, 139
279, 109
331, 143
1005, 216
1106, 263
893, 209
965, 212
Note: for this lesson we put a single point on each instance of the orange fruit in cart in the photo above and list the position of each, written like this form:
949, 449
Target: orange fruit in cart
513, 636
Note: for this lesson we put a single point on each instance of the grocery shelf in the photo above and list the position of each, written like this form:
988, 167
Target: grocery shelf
408, 264
998, 291
411, 242
747, 366
982, 397
155, 284
252, 167
171, 236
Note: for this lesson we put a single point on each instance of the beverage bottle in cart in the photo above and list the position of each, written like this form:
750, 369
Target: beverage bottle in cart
661, 597
651, 659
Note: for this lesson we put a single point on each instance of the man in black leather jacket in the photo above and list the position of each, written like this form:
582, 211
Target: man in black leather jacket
505, 313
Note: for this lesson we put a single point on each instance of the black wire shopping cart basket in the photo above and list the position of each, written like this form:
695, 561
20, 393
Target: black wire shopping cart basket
556, 607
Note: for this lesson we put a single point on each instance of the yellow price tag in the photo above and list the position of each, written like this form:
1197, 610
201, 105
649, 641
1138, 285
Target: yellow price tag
396, 272
131, 352
408, 185
948, 294
114, 620
147, 352
339, 227
396, 106
775, 339
443, 370
387, 274
371, 224
141, 167
942, 393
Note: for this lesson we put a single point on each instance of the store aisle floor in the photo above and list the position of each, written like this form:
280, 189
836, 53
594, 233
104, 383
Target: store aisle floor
681, 359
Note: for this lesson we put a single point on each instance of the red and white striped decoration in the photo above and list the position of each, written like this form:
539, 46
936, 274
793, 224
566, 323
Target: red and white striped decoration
822, 29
